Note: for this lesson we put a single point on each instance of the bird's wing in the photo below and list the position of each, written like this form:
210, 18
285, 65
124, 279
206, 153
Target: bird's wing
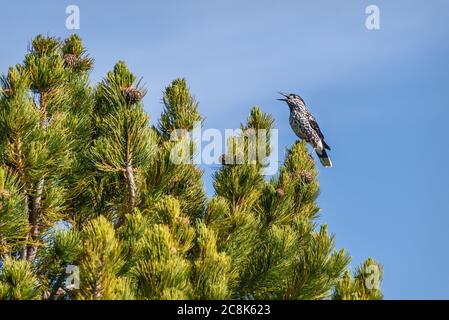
316, 127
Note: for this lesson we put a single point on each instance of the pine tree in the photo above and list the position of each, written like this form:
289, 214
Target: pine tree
85, 181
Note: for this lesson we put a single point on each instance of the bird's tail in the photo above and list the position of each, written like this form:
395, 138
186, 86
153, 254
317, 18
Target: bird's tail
324, 158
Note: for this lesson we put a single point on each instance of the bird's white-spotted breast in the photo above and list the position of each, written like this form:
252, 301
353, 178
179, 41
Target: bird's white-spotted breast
302, 128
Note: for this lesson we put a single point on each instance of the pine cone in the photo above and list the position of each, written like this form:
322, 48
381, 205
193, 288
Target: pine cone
5, 193
70, 60
307, 177
132, 95
7, 92
184, 220
280, 192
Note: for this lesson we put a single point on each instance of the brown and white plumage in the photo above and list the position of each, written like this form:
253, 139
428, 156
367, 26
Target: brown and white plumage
306, 127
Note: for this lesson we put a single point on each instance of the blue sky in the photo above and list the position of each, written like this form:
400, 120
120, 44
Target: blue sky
379, 96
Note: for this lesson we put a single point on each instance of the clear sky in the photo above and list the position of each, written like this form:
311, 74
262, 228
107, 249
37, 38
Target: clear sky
381, 98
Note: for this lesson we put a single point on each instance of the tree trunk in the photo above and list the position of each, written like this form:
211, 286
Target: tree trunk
57, 286
36, 205
27, 207
132, 189
34, 220
96, 294
132, 193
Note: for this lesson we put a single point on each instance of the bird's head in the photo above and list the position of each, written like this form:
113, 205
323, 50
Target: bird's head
293, 100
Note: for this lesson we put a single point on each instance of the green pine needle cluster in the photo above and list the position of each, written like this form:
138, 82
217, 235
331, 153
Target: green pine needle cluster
86, 182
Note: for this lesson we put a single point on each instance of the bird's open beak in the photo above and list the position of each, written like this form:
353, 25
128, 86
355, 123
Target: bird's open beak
285, 95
